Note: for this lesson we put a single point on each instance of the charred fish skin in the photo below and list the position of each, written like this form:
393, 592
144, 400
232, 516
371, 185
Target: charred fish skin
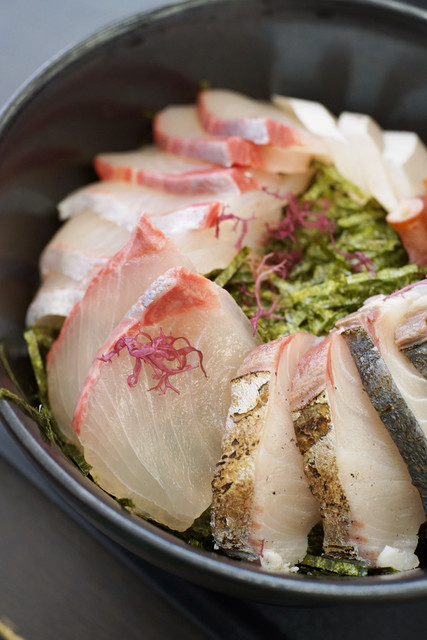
233, 482
390, 405
316, 439
411, 340
417, 355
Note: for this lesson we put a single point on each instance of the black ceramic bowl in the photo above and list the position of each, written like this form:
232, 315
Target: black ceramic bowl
368, 56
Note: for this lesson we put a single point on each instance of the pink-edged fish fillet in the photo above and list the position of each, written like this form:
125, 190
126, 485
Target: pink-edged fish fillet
158, 169
82, 246
160, 449
178, 130
370, 509
223, 112
54, 300
191, 224
110, 294
262, 507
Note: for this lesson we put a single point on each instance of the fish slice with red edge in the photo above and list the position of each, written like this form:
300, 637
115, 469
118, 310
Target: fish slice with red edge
151, 413
110, 294
152, 167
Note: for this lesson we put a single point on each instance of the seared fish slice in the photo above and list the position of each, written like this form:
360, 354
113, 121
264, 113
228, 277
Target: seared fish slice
396, 388
371, 511
262, 506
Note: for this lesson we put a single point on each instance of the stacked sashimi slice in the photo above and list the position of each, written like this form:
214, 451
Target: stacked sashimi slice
356, 403
262, 506
159, 449
159, 378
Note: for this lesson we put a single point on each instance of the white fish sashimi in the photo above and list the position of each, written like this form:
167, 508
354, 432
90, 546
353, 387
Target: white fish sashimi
178, 130
223, 112
110, 294
191, 224
82, 246
54, 300
159, 450
381, 316
262, 505
157, 169
370, 509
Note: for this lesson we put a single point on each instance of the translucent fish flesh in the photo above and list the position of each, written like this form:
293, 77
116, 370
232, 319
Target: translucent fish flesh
370, 509
159, 450
110, 294
396, 388
262, 506
157, 169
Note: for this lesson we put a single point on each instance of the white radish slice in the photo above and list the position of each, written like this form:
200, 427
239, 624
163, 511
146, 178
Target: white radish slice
160, 450
157, 169
365, 138
54, 300
126, 276
310, 114
82, 245
405, 157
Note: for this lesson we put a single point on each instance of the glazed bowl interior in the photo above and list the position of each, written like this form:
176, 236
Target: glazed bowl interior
366, 56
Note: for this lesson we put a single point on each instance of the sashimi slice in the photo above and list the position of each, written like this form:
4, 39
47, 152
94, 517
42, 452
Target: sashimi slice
124, 203
262, 506
177, 130
396, 388
54, 300
82, 246
110, 294
371, 511
157, 169
160, 449
223, 112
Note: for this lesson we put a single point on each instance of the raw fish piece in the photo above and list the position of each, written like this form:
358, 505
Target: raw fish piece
405, 157
371, 511
228, 113
110, 294
54, 300
410, 221
262, 506
123, 203
177, 129
157, 169
82, 246
411, 339
397, 390
160, 450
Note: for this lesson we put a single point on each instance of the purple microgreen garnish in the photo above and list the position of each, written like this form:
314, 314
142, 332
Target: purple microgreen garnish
407, 288
237, 220
161, 353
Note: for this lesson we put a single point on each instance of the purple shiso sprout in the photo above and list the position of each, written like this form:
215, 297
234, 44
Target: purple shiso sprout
237, 220
161, 353
407, 288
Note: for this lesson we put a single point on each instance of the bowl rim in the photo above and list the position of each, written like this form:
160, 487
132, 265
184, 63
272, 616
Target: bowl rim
204, 568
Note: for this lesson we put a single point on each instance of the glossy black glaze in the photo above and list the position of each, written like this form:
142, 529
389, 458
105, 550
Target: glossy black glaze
367, 56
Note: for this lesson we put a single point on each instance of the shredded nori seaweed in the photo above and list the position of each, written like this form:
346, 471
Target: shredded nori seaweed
323, 286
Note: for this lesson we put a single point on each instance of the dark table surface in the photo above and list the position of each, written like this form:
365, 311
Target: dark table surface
59, 578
